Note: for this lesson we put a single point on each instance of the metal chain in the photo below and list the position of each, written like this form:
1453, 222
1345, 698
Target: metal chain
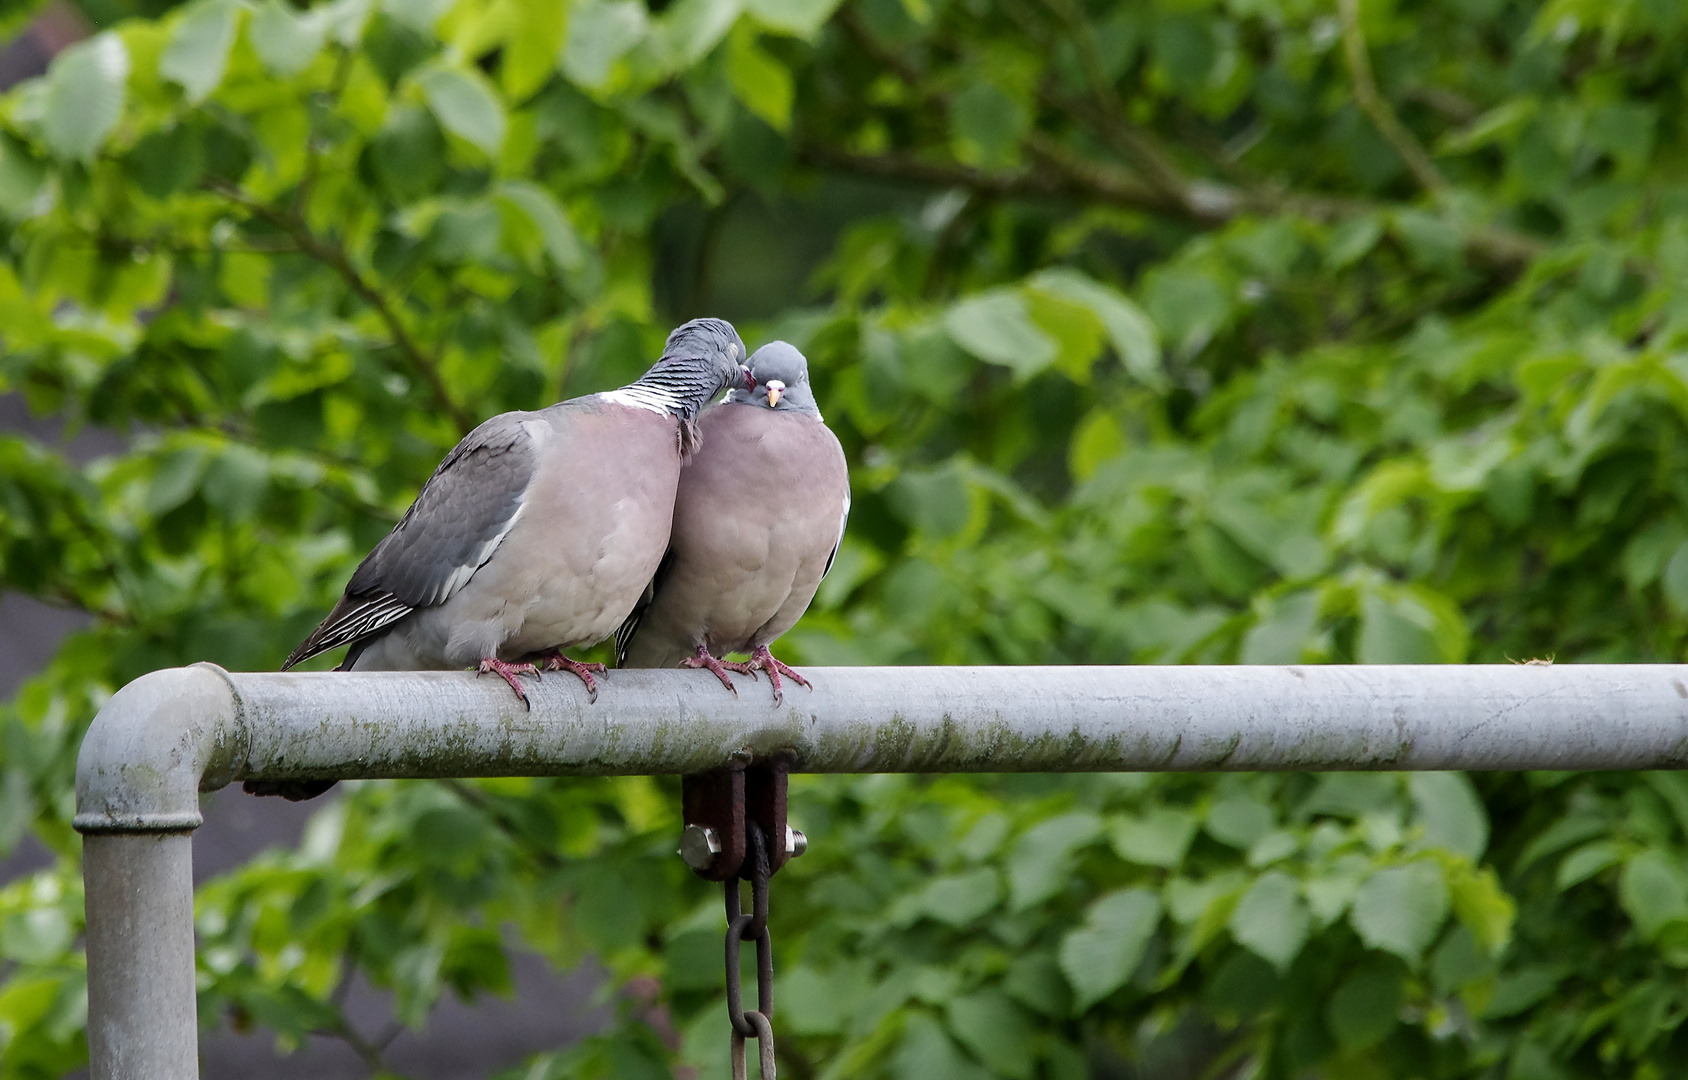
742, 926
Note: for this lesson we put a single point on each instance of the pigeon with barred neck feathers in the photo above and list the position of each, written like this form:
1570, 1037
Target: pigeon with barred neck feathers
758, 519
538, 532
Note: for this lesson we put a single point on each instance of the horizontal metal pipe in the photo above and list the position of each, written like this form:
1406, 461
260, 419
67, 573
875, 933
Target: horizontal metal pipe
170, 734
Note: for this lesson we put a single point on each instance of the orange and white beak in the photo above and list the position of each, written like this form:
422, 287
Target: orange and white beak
775, 389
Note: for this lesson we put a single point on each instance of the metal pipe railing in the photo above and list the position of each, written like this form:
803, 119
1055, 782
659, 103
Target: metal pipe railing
166, 737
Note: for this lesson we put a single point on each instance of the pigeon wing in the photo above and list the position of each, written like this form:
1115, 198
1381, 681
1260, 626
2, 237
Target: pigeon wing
455, 525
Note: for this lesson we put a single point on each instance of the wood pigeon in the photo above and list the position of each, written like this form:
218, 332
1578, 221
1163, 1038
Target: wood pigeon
759, 516
538, 532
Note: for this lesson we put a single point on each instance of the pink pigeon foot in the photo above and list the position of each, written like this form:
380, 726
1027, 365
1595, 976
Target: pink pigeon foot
763, 660
508, 672
719, 667
556, 661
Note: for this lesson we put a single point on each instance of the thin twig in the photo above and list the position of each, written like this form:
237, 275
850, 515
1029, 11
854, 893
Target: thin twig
1374, 106
507, 825
335, 257
1072, 177
1157, 166
371, 1054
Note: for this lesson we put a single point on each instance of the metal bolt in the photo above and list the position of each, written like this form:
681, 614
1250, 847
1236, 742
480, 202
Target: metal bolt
795, 842
698, 846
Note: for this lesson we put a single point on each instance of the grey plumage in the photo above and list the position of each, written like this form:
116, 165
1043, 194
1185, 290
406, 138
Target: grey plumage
538, 531
758, 517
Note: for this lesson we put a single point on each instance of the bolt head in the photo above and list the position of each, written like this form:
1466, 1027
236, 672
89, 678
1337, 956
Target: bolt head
795, 842
698, 846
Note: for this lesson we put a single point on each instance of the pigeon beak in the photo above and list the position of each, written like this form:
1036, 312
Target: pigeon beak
749, 379
775, 389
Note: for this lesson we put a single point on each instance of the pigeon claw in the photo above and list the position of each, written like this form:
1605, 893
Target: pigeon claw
704, 660
556, 661
763, 660
509, 673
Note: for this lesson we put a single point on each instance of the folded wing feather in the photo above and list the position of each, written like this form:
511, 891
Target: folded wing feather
453, 528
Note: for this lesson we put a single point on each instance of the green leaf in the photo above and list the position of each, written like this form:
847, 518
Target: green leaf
17, 808
1365, 1008
464, 105
562, 243
1517, 990
198, 52
1449, 811
1482, 906
1400, 626
1037, 866
347, 19
599, 35
1271, 920
986, 125
1159, 838
235, 482
809, 1001
1430, 240
926, 1053
760, 82
1352, 240
960, 899
1653, 890
1188, 304
1101, 955
1240, 820
1074, 329
35, 935
996, 1031
1674, 581
1130, 332
1672, 787
1281, 635
1400, 909
1586, 861
694, 27
175, 481
85, 94
284, 40
23, 180
996, 327
532, 46
419, 15
801, 18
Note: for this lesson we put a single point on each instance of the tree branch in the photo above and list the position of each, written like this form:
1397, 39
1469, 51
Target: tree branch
1374, 106
335, 257
1161, 188
1071, 177
1162, 173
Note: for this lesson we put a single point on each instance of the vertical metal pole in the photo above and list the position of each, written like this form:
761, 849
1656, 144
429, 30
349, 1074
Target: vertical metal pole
142, 1018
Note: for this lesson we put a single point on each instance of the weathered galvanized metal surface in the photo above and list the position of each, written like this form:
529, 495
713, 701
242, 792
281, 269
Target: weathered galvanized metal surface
167, 736
141, 1012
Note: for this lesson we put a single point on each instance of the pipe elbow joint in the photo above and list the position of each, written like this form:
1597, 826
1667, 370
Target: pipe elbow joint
158, 743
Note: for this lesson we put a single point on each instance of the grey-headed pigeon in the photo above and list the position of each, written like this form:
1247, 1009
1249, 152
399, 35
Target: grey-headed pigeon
758, 519
538, 532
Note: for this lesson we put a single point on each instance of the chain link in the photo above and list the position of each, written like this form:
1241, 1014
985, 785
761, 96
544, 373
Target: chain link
747, 926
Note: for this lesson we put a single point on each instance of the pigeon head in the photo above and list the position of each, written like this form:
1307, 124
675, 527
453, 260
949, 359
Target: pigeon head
780, 381
699, 360
715, 346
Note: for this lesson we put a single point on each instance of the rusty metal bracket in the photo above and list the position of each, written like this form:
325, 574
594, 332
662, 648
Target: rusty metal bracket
720, 805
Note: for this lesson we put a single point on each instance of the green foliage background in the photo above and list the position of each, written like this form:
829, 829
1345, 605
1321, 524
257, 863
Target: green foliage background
1165, 331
